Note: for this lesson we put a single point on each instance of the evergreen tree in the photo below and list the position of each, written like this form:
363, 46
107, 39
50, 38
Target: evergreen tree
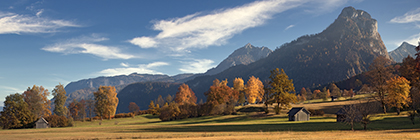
282, 90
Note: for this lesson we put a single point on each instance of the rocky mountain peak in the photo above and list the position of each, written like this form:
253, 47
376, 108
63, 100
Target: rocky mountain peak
403, 51
365, 23
242, 56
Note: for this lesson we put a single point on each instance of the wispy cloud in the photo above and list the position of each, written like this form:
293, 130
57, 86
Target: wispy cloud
318, 7
12, 23
180, 35
88, 45
10, 90
290, 26
196, 66
142, 68
411, 16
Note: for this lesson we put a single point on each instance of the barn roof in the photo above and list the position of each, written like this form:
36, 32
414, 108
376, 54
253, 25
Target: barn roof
295, 110
42, 120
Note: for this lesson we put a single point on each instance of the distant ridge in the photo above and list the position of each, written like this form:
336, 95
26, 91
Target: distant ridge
403, 51
242, 56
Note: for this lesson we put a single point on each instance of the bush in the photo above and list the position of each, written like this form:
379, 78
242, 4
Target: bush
316, 112
124, 115
57, 121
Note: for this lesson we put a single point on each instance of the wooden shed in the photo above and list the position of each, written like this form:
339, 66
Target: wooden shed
42, 123
299, 114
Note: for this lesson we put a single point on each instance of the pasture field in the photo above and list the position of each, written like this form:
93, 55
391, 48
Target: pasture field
253, 125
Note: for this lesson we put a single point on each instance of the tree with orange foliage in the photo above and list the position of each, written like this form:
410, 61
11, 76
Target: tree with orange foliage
315, 94
133, 107
398, 93
37, 100
221, 94
106, 101
74, 109
185, 95
254, 90
379, 72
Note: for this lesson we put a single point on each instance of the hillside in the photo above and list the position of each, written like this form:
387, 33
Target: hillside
242, 56
345, 48
402, 52
143, 92
83, 89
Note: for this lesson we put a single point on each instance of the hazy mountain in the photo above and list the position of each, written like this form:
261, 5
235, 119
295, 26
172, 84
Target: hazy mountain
403, 51
242, 56
345, 48
83, 89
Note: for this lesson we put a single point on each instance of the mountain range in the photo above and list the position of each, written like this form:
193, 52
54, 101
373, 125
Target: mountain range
344, 49
403, 51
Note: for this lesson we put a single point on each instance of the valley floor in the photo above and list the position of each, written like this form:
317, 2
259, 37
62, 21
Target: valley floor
255, 125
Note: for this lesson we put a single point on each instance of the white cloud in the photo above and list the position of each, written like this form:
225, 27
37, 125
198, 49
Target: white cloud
142, 68
197, 66
10, 90
413, 40
290, 26
411, 16
11, 23
124, 65
179, 35
38, 14
86, 45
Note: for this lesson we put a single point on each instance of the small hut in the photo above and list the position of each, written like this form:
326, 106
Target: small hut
299, 114
42, 123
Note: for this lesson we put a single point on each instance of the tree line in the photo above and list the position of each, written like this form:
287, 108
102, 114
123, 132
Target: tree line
23, 110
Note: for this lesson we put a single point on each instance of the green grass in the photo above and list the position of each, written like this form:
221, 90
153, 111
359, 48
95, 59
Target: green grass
252, 125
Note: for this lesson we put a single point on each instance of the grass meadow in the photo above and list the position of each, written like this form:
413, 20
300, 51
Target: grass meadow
254, 125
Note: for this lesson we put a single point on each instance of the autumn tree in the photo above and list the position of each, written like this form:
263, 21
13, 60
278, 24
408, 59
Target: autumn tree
133, 107
325, 94
169, 98
254, 90
398, 93
185, 95
37, 100
366, 110
238, 85
308, 94
334, 90
282, 89
90, 108
82, 109
16, 113
160, 100
352, 114
220, 95
74, 109
106, 101
154, 109
303, 92
316, 94
409, 71
59, 100
378, 75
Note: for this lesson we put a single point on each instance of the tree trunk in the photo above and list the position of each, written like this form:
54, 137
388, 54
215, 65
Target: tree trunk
352, 128
384, 107
398, 111
364, 126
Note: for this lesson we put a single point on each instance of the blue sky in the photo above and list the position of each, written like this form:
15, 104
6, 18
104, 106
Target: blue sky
49, 42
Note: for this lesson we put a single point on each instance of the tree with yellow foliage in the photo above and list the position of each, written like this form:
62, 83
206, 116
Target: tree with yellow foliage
398, 93
238, 85
185, 95
37, 100
106, 101
254, 89
282, 90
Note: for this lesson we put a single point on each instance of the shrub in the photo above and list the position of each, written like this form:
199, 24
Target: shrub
57, 121
316, 112
124, 115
